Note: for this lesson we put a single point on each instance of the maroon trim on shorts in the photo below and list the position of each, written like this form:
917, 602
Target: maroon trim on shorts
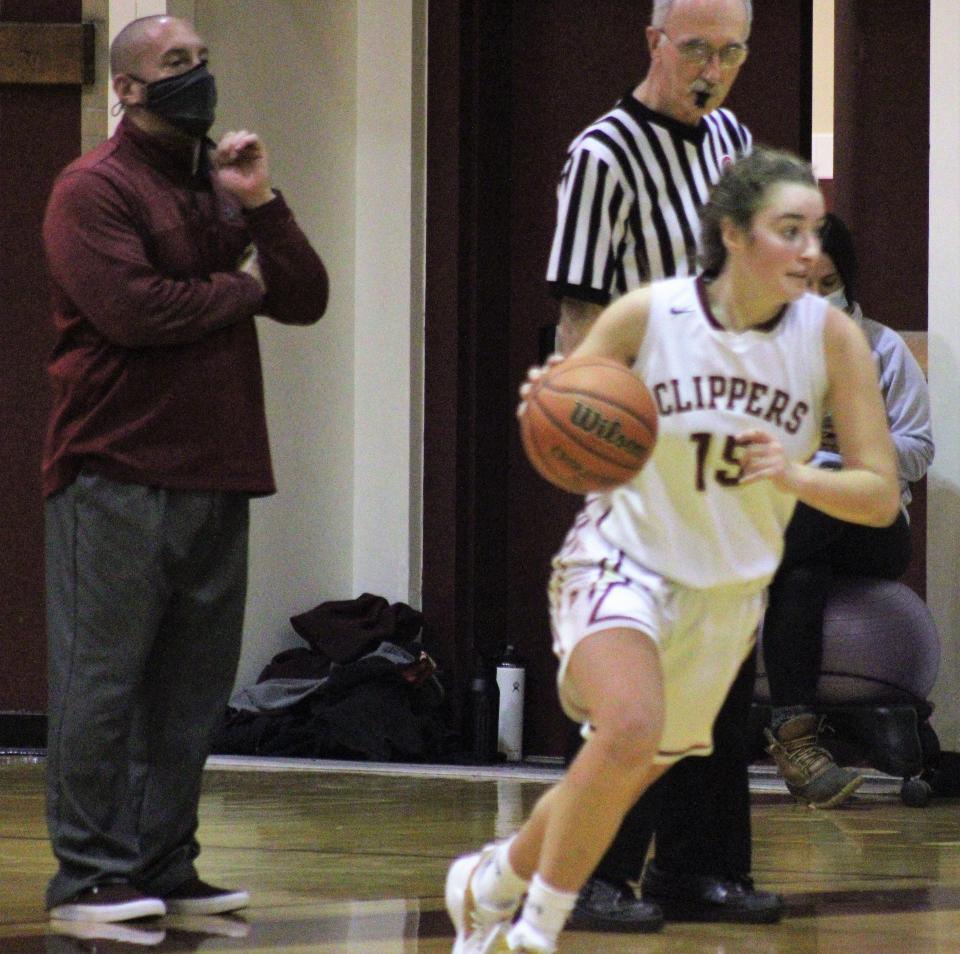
594, 614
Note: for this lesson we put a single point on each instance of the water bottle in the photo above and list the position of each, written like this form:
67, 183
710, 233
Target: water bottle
511, 679
484, 708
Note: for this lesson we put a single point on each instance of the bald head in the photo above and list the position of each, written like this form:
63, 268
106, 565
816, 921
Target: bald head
130, 44
151, 42
662, 8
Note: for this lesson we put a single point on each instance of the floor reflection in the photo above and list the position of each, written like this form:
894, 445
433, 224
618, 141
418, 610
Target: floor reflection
391, 927
353, 862
166, 934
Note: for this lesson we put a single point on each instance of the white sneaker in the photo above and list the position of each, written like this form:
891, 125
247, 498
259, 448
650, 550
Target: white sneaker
198, 897
524, 939
106, 903
479, 930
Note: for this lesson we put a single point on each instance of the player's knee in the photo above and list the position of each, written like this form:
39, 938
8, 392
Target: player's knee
629, 737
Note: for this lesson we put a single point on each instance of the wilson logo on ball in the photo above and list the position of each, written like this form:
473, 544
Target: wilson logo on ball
593, 422
589, 424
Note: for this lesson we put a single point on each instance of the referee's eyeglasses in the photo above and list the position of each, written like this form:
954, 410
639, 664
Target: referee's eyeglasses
699, 52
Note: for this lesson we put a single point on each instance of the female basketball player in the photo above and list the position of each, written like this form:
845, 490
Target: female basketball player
658, 588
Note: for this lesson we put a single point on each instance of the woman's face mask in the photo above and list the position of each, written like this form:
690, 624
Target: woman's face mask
188, 101
838, 298
826, 281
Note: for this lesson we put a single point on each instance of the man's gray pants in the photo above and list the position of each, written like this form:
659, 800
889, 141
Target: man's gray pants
145, 600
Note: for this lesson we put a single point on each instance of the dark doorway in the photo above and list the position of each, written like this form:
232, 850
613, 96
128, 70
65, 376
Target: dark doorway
40, 133
510, 84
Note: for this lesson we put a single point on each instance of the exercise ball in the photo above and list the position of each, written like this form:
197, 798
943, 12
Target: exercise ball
880, 645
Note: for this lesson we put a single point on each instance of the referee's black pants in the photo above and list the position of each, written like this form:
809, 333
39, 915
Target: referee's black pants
699, 810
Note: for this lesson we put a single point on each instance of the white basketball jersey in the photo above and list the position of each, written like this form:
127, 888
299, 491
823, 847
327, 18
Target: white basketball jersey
685, 515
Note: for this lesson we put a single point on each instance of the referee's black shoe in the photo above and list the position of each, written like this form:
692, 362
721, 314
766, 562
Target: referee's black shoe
613, 906
707, 898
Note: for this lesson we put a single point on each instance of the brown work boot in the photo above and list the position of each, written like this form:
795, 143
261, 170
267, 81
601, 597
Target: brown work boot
811, 775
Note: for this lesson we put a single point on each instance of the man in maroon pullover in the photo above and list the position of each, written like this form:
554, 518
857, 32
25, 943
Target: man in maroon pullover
162, 247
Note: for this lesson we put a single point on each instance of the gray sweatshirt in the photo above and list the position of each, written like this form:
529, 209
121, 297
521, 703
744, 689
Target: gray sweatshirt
907, 400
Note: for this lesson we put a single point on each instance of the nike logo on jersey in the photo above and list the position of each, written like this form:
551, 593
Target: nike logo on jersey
674, 310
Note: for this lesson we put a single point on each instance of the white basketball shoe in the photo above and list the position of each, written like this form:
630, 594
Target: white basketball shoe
480, 930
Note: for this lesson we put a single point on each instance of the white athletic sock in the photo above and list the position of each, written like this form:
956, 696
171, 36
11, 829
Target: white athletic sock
495, 883
544, 914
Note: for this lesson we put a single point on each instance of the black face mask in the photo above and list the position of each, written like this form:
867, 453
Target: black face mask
187, 101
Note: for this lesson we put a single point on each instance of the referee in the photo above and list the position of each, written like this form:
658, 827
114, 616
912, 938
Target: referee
629, 200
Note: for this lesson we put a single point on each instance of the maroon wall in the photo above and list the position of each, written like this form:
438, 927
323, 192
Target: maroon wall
881, 151
40, 134
880, 172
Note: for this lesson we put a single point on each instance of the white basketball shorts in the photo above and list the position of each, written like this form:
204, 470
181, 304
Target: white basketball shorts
703, 635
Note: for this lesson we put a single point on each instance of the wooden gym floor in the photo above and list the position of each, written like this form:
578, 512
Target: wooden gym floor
351, 859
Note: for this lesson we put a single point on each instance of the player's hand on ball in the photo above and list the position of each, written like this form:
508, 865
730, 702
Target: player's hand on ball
533, 375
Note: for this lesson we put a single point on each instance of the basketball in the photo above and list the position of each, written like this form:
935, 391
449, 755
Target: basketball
590, 424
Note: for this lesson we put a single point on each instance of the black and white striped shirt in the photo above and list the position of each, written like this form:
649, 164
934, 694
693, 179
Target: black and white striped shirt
629, 199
